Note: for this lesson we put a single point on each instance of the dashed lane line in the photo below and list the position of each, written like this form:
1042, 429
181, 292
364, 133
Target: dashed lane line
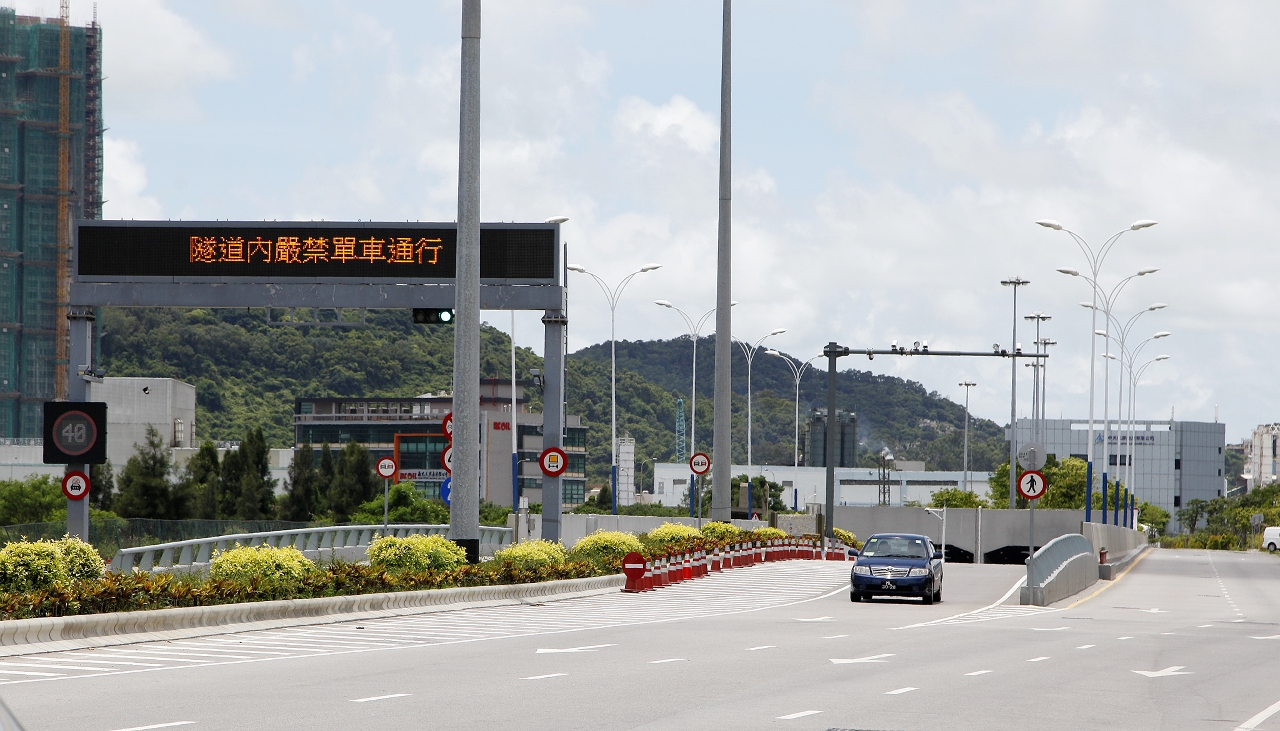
157, 725
379, 697
900, 691
544, 677
1261, 716
801, 714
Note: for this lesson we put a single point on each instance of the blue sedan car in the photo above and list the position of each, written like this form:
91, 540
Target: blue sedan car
897, 564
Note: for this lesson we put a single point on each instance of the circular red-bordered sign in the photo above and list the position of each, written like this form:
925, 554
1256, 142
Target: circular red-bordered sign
553, 461
387, 468
446, 459
1031, 485
75, 485
447, 426
699, 463
633, 566
75, 433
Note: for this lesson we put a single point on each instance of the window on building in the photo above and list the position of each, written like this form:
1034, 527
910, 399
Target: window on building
575, 437
180, 434
1177, 463
1219, 473
662, 487
1177, 501
307, 407
573, 492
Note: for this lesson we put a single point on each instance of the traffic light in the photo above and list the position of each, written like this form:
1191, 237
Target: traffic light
432, 317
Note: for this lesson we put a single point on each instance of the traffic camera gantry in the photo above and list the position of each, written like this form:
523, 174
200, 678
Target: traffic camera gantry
834, 351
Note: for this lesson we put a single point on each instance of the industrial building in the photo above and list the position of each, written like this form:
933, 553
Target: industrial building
411, 430
1173, 461
814, 448
50, 174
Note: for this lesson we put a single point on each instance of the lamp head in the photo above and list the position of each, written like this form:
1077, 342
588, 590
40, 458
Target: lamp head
577, 268
1161, 334
557, 219
1162, 357
1070, 272
1050, 223
1103, 333
650, 267
663, 303
1145, 272
777, 331
772, 352
1144, 223
1157, 306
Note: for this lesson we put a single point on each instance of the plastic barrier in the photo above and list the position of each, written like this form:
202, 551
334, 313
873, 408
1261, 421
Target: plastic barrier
667, 569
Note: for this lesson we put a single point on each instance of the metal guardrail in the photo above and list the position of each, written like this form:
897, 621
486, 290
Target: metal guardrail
202, 550
1055, 553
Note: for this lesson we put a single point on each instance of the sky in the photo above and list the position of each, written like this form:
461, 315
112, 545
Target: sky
889, 162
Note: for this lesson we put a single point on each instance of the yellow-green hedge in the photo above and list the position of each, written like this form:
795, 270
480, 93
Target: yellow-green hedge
670, 532
718, 531
605, 546
416, 554
849, 538
533, 554
267, 564
27, 565
768, 534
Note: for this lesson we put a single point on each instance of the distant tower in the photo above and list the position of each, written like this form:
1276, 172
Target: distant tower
681, 457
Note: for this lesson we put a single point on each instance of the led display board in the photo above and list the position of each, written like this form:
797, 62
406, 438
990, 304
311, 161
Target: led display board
200, 251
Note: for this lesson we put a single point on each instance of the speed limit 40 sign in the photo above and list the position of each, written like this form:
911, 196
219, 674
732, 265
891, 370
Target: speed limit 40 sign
75, 432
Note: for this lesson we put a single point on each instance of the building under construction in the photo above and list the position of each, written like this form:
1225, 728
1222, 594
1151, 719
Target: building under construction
50, 174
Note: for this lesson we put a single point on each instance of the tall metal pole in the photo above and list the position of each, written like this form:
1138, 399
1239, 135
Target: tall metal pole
464, 511
613, 404
832, 354
1014, 282
967, 385
515, 423
722, 439
80, 349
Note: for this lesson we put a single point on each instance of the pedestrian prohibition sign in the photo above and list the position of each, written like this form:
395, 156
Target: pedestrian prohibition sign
1031, 485
553, 461
699, 463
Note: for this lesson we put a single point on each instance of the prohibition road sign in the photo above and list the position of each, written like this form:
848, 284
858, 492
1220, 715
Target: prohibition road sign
387, 468
447, 426
699, 463
553, 461
446, 459
75, 485
633, 566
1031, 485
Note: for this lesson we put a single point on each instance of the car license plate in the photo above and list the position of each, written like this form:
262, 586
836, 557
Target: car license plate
889, 585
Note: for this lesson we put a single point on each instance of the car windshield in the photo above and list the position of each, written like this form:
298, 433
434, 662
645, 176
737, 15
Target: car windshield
895, 547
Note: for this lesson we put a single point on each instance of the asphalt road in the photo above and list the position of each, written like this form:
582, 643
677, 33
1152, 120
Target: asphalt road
1186, 640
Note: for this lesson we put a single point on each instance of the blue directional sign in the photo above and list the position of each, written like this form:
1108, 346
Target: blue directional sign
444, 490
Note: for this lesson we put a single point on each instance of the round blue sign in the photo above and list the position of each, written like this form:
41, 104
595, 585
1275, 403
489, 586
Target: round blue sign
444, 490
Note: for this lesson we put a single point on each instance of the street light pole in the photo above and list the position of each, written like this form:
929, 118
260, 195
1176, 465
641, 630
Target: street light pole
1095, 259
967, 385
612, 296
749, 351
798, 371
722, 425
1014, 350
1037, 407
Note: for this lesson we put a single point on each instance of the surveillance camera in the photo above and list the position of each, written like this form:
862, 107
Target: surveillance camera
915, 345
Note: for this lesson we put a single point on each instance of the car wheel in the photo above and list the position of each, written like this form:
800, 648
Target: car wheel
1271, 547
855, 596
928, 598
937, 595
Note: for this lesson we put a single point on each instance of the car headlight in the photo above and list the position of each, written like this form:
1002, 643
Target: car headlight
918, 572
862, 570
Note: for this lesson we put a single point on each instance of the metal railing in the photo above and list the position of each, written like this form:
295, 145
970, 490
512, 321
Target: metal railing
202, 550
1054, 554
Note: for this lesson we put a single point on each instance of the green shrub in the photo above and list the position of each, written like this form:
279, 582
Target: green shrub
416, 554
768, 534
533, 554
26, 565
80, 559
673, 532
718, 531
604, 546
847, 537
266, 564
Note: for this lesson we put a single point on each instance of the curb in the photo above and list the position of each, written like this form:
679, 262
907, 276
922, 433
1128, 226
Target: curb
1109, 571
52, 634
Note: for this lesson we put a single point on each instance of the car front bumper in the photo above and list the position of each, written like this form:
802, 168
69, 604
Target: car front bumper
910, 586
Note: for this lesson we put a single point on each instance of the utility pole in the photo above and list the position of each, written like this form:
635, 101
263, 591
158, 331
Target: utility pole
1014, 351
967, 385
722, 434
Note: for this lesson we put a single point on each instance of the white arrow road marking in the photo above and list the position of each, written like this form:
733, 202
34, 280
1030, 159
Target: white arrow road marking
1205, 625
588, 648
1268, 637
900, 691
1171, 670
1049, 629
659, 662
817, 619
1037, 659
761, 647
540, 677
1153, 610
978, 672
378, 698
869, 658
801, 714
157, 725
1085, 647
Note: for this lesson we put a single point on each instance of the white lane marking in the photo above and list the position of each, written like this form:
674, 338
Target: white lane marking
834, 637
869, 658
1268, 637
1171, 670
1153, 610
979, 672
540, 677
1038, 659
801, 714
1237, 620
1262, 715
1048, 629
900, 691
817, 619
1166, 633
587, 648
1125, 638
1205, 625
156, 725
379, 698
673, 659
992, 611
1085, 647
761, 647
33, 673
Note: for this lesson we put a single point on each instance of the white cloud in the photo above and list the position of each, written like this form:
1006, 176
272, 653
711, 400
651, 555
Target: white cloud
125, 181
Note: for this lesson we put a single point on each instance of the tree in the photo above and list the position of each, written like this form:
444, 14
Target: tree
353, 482
605, 498
33, 500
404, 506
257, 494
1154, 516
1066, 484
954, 497
145, 491
201, 481
102, 486
1190, 516
324, 478
302, 490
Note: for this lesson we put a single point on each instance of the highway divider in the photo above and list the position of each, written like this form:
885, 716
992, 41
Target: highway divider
665, 568
1062, 567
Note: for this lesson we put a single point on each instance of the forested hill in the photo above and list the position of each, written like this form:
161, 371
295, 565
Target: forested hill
248, 373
